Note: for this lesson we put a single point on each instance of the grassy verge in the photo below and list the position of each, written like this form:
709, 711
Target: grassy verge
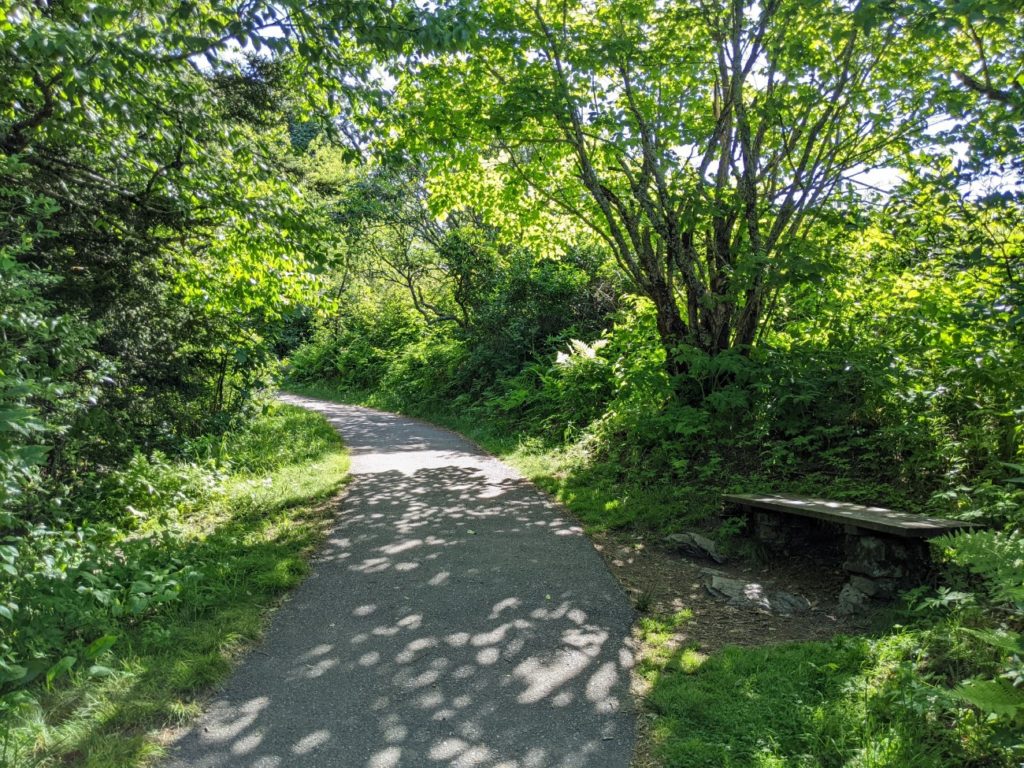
175, 599
852, 702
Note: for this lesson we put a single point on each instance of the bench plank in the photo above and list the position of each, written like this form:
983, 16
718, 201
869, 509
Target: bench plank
880, 519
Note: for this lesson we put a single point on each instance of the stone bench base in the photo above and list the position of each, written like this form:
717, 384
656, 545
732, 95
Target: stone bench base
880, 566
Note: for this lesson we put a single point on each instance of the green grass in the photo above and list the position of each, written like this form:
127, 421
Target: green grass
847, 703
246, 544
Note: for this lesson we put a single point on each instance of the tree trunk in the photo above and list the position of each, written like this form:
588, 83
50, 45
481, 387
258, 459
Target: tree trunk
672, 329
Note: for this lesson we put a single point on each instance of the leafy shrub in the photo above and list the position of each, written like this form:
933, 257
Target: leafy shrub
314, 360
530, 307
996, 556
48, 377
423, 374
986, 502
983, 615
356, 348
832, 409
560, 399
68, 585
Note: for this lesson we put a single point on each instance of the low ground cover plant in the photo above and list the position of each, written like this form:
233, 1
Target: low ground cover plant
117, 618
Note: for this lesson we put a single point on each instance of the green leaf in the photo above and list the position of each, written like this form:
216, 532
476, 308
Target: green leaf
991, 696
60, 668
1005, 640
100, 646
10, 673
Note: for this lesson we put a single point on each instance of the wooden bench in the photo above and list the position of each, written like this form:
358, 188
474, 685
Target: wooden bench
885, 549
901, 524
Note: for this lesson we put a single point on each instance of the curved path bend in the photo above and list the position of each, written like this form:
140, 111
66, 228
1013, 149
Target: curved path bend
453, 618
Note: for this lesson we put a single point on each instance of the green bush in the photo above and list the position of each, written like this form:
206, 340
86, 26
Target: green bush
49, 377
423, 375
560, 399
122, 552
356, 348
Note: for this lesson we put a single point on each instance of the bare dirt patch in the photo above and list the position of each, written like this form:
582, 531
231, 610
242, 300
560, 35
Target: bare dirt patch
662, 581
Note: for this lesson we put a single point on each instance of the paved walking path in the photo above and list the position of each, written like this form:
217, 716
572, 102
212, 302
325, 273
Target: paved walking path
452, 619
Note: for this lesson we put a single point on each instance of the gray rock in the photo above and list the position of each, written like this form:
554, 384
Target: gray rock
741, 593
863, 584
876, 557
880, 589
772, 530
696, 544
787, 604
852, 601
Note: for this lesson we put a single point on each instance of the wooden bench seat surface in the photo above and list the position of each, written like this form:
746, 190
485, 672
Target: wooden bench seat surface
888, 521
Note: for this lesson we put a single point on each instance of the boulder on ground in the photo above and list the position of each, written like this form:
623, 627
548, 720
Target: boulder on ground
696, 544
852, 600
741, 593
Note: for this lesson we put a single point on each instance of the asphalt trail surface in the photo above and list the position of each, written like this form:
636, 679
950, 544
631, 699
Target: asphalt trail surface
453, 618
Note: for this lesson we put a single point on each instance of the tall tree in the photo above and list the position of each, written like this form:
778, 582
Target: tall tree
979, 79
700, 140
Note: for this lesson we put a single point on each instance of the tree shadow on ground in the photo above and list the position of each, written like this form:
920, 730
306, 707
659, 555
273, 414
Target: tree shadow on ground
452, 619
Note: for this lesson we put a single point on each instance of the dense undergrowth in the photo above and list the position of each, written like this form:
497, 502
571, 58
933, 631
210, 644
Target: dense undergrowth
133, 604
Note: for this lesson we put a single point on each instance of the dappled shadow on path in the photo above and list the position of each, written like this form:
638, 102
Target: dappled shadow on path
452, 619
